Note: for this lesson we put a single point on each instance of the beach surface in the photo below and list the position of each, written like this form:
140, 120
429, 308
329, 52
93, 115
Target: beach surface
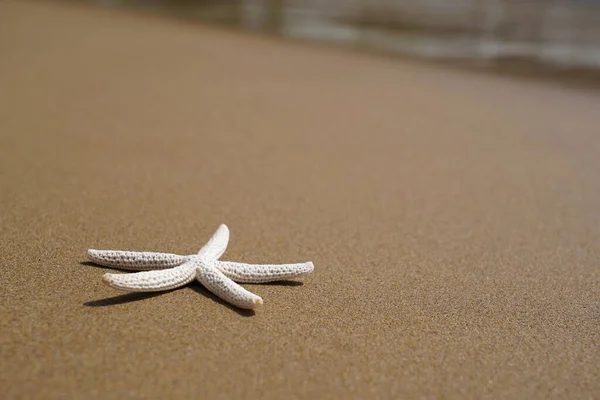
453, 218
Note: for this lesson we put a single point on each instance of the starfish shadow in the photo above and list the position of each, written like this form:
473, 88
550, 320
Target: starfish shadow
93, 264
90, 264
280, 283
198, 288
121, 299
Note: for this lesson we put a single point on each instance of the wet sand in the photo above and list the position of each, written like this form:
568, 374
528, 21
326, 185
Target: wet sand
452, 217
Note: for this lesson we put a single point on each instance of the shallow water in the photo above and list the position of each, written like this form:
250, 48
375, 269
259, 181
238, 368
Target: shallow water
564, 34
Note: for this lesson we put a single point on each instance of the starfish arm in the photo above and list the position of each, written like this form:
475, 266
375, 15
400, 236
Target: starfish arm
215, 281
259, 273
152, 281
135, 260
217, 244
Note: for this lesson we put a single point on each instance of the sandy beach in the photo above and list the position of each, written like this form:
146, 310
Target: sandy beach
452, 217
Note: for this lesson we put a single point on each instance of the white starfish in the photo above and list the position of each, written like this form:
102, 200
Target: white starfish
164, 271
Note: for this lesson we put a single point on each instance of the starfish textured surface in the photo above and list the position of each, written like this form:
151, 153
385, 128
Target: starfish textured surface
164, 271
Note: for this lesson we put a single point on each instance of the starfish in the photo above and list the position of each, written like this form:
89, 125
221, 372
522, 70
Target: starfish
164, 271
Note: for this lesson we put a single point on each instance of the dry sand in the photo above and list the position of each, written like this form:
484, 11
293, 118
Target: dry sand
453, 218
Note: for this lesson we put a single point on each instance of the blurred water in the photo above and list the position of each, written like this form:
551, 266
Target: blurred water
559, 33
